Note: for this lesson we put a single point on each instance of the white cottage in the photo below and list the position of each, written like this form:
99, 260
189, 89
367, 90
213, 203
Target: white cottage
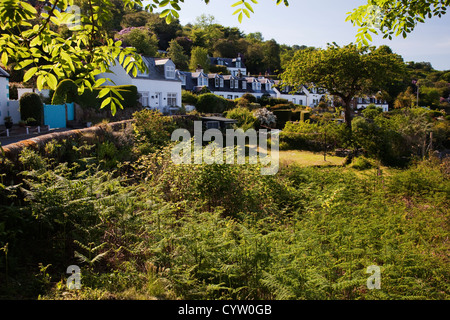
159, 87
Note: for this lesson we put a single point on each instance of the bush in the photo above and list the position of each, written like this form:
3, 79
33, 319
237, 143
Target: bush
283, 116
189, 98
282, 106
31, 106
362, 163
248, 96
244, 117
211, 103
89, 97
66, 92
304, 115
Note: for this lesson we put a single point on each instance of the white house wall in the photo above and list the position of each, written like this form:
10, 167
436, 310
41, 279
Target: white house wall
154, 87
4, 98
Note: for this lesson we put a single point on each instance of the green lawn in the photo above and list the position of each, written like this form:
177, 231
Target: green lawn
307, 158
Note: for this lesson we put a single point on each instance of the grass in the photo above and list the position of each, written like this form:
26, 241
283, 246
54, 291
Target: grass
307, 158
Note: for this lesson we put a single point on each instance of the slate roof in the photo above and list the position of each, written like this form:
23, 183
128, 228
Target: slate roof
3, 73
227, 62
155, 69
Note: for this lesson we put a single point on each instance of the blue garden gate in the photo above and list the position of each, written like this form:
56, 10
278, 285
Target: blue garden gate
55, 115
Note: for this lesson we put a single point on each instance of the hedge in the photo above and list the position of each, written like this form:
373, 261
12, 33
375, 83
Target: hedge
89, 98
283, 116
304, 115
31, 106
211, 103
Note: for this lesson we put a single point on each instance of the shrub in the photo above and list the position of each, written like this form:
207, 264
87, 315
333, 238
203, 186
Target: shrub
152, 130
31, 106
283, 116
211, 103
249, 97
265, 117
66, 92
188, 97
244, 117
89, 97
304, 115
282, 106
362, 163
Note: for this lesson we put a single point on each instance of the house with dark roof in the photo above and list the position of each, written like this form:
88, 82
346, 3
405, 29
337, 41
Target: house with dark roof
226, 86
235, 66
303, 96
159, 87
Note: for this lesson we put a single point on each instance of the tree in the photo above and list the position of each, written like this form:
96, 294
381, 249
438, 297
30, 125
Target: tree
176, 53
143, 41
405, 99
199, 57
271, 53
393, 17
345, 72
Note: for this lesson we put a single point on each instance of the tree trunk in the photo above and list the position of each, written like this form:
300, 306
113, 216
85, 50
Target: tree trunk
348, 112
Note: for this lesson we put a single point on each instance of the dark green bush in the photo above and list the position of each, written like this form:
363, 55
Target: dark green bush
211, 103
248, 96
188, 97
304, 115
89, 97
31, 106
282, 106
283, 116
66, 92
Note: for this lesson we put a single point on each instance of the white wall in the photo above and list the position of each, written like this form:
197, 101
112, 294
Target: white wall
44, 92
4, 98
154, 87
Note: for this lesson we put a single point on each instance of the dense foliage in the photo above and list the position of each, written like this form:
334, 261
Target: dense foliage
140, 226
31, 106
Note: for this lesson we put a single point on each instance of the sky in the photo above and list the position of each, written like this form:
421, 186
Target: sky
316, 23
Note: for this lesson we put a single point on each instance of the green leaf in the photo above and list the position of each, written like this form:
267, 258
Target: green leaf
52, 81
103, 92
27, 76
240, 17
105, 102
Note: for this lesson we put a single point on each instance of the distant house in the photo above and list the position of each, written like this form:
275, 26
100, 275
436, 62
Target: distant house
235, 66
159, 87
226, 86
305, 96
362, 103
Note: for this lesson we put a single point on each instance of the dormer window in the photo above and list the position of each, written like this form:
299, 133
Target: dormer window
238, 64
170, 72
268, 86
202, 81
220, 62
221, 82
217, 82
183, 79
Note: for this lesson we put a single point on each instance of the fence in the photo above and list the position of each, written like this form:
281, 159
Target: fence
56, 116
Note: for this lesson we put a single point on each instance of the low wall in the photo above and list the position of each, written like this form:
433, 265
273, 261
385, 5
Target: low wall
12, 151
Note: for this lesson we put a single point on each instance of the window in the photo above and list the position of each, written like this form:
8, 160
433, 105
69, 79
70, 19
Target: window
144, 99
232, 84
220, 62
171, 99
238, 64
183, 79
221, 82
268, 86
229, 96
236, 84
300, 102
212, 125
217, 80
170, 72
236, 97
293, 101
244, 85
202, 81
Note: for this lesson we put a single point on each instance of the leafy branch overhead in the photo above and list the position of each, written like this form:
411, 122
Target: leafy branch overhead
393, 17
